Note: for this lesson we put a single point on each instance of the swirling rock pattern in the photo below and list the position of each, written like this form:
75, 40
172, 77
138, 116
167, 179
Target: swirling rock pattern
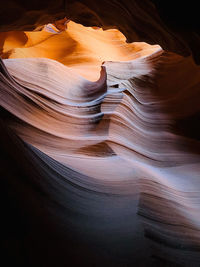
174, 26
103, 141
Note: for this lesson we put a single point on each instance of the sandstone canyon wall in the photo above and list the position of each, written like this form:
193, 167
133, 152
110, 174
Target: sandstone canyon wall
100, 137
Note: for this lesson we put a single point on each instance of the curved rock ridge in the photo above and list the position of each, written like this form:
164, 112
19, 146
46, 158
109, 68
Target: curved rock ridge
104, 126
174, 26
81, 48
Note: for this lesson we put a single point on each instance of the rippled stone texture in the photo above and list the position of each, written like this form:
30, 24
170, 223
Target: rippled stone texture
101, 136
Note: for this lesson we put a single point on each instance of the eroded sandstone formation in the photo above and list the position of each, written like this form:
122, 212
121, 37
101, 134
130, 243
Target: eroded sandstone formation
99, 136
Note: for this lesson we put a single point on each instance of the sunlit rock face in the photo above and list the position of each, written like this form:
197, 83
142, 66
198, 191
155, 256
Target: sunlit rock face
100, 144
81, 48
174, 26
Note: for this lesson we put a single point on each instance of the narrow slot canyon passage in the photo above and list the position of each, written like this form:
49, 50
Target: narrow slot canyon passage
100, 139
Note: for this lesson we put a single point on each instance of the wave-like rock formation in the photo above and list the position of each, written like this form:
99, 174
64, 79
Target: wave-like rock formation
100, 139
173, 25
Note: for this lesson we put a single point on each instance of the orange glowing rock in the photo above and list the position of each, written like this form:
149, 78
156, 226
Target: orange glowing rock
82, 48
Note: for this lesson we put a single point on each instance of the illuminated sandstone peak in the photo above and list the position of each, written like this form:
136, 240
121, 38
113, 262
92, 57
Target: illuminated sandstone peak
82, 48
